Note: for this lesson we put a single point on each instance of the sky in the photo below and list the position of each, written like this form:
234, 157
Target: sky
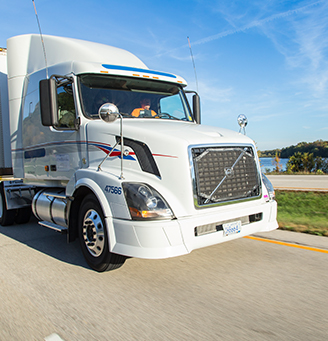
266, 59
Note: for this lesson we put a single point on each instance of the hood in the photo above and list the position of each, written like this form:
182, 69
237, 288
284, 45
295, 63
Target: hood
190, 133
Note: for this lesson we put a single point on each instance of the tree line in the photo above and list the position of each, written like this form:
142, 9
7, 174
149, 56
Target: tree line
318, 148
307, 163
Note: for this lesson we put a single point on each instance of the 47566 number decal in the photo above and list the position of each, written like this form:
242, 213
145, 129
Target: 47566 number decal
113, 190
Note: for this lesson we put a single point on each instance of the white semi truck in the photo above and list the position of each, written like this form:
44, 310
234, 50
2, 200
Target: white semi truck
148, 183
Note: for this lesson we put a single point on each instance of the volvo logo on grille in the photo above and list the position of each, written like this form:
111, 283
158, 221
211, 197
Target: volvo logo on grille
228, 172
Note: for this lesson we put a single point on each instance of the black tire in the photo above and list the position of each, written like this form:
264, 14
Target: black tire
23, 215
93, 237
7, 217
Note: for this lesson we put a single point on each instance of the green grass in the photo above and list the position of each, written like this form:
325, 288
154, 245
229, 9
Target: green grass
303, 212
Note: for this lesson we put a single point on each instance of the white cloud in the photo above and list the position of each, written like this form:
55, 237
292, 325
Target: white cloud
210, 92
303, 41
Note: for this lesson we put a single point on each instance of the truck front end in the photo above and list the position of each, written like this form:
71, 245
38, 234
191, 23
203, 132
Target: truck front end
172, 184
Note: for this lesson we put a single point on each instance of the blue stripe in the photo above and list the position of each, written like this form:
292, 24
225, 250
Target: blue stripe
127, 68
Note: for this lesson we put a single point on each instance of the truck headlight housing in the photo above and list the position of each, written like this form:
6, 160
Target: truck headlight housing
269, 187
145, 203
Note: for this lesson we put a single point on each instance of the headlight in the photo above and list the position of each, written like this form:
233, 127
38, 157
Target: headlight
144, 202
269, 187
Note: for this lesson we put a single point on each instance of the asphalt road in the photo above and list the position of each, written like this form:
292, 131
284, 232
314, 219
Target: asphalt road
300, 182
247, 289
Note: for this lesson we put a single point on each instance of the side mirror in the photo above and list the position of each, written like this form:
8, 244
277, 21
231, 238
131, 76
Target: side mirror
196, 107
242, 121
108, 112
48, 102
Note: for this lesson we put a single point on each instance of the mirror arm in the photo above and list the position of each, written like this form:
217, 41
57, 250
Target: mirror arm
105, 113
105, 158
122, 145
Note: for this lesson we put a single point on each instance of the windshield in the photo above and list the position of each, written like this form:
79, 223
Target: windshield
134, 97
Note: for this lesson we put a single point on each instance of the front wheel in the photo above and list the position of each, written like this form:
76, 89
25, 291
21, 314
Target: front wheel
93, 237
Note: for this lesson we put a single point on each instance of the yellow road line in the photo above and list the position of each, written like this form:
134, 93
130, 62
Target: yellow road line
287, 244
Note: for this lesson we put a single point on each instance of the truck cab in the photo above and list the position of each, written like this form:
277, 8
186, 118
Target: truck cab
117, 156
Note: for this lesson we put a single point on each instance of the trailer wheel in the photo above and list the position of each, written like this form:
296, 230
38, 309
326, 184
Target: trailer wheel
93, 237
23, 215
7, 217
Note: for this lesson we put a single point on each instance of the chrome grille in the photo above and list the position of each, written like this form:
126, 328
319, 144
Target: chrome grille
224, 173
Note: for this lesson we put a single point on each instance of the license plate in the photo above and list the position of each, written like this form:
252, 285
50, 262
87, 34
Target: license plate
231, 228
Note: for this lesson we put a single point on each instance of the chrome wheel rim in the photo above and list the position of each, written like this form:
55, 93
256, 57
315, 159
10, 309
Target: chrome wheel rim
93, 233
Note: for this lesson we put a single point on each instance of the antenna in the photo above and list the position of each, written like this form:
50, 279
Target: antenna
44, 49
193, 62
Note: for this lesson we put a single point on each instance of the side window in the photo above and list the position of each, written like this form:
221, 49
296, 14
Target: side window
172, 105
66, 107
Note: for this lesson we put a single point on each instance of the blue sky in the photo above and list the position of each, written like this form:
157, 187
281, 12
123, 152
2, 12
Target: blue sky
265, 59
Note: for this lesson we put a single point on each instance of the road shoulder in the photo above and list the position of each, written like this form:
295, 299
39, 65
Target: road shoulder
295, 238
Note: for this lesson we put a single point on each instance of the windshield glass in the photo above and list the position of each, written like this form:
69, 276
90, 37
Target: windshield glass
134, 97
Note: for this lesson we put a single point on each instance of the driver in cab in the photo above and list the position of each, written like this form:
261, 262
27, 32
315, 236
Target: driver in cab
144, 111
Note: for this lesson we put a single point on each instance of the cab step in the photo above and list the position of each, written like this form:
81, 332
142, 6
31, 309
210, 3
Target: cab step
58, 228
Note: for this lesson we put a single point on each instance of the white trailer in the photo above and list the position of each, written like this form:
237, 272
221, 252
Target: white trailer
5, 155
149, 183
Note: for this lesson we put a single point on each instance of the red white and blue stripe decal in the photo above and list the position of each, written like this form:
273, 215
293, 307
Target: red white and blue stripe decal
114, 153
106, 148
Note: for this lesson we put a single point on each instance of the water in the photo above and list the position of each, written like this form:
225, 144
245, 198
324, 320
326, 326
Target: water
267, 163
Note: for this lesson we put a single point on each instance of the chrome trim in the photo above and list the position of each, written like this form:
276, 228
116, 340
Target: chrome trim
223, 146
202, 230
55, 195
55, 227
51, 206
93, 233
227, 174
